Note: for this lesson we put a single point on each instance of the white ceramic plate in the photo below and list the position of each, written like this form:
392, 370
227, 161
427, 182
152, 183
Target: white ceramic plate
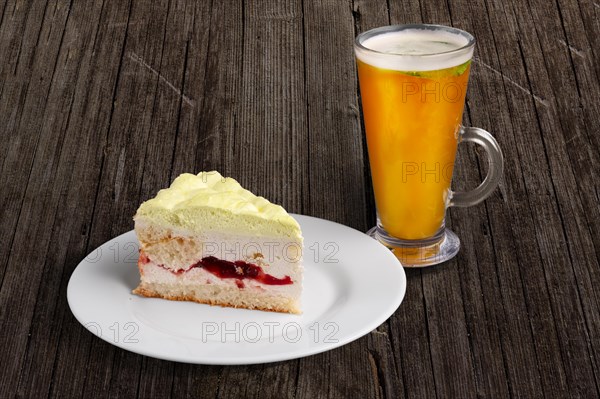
352, 284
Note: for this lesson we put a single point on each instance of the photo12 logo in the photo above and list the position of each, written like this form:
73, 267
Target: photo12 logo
254, 251
124, 333
268, 331
428, 92
118, 252
290, 332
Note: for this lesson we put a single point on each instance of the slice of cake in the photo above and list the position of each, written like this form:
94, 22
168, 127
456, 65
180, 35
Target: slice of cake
208, 240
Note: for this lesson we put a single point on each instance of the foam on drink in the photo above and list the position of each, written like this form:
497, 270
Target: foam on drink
415, 50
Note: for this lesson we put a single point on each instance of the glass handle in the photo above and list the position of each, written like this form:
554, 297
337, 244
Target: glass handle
496, 168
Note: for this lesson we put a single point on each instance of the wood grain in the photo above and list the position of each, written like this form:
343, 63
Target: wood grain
104, 103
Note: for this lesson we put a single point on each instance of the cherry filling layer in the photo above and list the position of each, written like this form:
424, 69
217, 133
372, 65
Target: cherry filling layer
240, 269
226, 269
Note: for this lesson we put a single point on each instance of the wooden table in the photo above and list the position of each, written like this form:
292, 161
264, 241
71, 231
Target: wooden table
102, 103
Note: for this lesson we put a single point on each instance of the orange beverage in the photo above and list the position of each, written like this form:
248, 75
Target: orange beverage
412, 121
412, 108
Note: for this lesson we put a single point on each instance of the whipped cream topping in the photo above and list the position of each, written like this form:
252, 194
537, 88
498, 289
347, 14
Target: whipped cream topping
210, 201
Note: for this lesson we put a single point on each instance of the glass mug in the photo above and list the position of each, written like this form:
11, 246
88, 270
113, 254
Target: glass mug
413, 82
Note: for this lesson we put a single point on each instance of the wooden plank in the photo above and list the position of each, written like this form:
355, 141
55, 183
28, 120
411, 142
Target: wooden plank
563, 244
589, 28
411, 341
271, 115
335, 143
368, 15
582, 144
268, 380
195, 88
221, 87
3, 5
385, 370
527, 316
20, 28
520, 103
89, 120
171, 98
192, 381
46, 166
20, 98
585, 168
